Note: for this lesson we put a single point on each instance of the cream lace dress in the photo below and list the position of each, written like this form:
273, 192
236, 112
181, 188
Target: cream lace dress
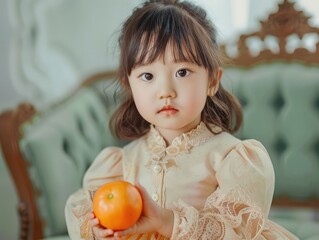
218, 187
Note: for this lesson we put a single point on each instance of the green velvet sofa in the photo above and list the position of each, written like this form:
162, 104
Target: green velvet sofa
48, 152
279, 92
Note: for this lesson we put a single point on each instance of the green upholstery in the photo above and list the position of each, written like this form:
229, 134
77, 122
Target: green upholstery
60, 145
304, 230
281, 109
302, 222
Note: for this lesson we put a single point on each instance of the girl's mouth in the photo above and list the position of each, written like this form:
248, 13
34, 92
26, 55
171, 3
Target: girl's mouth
168, 110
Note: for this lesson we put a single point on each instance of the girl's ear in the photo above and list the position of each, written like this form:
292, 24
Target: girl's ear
214, 82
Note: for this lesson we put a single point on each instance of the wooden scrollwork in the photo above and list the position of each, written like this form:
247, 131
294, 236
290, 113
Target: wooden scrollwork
280, 25
10, 135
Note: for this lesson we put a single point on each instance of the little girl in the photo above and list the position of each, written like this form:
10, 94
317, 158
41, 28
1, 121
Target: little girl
197, 181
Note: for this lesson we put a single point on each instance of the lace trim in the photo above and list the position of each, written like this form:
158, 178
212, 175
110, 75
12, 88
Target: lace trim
80, 210
147, 236
234, 211
165, 156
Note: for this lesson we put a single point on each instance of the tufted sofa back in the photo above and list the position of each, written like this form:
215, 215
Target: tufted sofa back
64, 142
78, 130
54, 149
281, 109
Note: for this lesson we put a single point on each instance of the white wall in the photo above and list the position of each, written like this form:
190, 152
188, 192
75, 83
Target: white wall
8, 95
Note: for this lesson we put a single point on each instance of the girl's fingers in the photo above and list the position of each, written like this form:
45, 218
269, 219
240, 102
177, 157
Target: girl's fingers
94, 222
90, 215
119, 235
130, 231
101, 233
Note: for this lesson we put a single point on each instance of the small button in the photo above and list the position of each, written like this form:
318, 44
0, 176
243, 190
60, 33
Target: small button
157, 168
155, 197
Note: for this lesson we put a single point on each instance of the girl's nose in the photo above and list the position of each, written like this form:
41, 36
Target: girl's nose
166, 90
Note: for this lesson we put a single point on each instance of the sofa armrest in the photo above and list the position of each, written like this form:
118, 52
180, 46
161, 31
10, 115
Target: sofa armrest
53, 148
10, 125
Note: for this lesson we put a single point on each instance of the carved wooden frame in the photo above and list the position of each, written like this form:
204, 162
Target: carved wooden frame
281, 24
11, 132
10, 135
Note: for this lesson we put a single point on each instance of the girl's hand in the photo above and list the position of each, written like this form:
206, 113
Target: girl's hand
153, 219
99, 231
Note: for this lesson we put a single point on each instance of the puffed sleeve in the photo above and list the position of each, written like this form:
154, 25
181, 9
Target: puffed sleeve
239, 207
105, 168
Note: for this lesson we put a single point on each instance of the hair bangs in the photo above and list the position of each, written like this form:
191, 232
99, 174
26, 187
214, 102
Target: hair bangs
168, 27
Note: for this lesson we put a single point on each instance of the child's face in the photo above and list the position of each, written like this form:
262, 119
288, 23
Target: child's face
171, 95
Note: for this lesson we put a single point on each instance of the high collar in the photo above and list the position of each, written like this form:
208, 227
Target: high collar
182, 143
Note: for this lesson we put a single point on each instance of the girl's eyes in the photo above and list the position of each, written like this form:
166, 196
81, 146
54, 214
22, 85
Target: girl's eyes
147, 76
179, 73
182, 73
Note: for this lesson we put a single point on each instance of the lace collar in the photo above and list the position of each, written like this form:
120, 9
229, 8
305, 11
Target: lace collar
181, 144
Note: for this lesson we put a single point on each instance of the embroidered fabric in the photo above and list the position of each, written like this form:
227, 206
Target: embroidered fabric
80, 209
232, 215
238, 209
160, 154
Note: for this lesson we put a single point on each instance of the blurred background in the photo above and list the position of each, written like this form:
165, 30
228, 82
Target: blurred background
42, 60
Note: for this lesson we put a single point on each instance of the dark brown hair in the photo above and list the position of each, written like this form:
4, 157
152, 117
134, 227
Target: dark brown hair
144, 38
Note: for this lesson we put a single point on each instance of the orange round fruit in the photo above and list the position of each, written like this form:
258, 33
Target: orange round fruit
117, 205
